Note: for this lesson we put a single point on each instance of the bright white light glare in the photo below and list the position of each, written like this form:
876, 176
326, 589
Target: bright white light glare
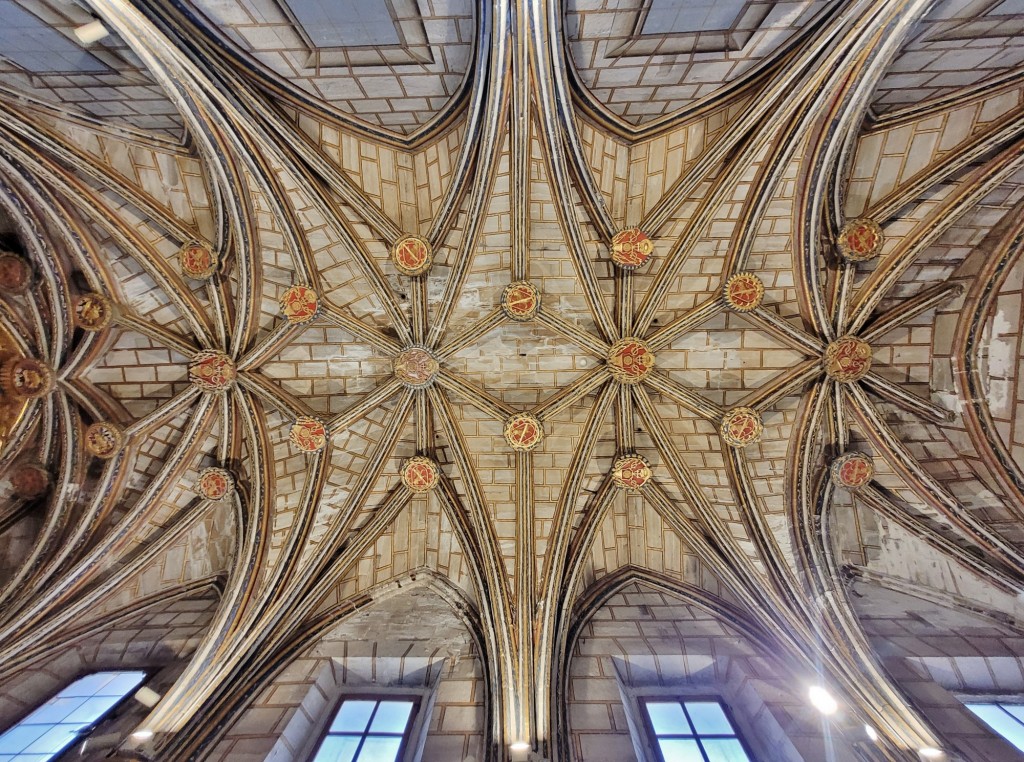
930, 752
822, 700
92, 32
142, 735
520, 746
872, 733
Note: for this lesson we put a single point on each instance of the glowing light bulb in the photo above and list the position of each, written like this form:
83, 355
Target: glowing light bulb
142, 735
822, 700
872, 733
930, 752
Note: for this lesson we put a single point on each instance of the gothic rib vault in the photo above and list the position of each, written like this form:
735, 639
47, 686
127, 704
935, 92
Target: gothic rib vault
489, 323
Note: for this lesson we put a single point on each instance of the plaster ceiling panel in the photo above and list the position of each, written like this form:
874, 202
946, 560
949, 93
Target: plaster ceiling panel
643, 59
103, 81
394, 65
960, 44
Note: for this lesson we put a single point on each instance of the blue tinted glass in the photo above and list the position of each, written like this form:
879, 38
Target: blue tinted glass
725, 750
1001, 722
20, 736
62, 720
1017, 710
680, 750
667, 718
708, 718
380, 750
337, 749
353, 717
391, 717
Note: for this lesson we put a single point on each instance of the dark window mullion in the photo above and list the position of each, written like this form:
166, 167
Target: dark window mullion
1012, 716
693, 729
365, 733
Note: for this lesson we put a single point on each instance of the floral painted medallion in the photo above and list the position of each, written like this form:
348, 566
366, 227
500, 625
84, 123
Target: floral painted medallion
630, 360
631, 472
743, 292
741, 426
93, 312
412, 255
198, 261
420, 474
211, 371
26, 378
415, 367
309, 434
300, 304
103, 440
847, 359
860, 240
631, 248
15, 273
215, 483
520, 300
30, 480
523, 432
852, 470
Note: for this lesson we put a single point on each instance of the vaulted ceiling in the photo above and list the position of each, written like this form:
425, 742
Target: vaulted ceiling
762, 336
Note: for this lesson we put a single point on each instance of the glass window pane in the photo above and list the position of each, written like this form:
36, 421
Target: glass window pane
680, 750
709, 719
54, 710
1017, 710
353, 716
667, 718
725, 750
337, 749
20, 736
88, 685
122, 684
380, 750
391, 717
92, 709
1001, 722
54, 739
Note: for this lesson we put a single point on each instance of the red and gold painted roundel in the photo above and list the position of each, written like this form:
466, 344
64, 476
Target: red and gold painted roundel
631, 248
215, 483
741, 426
860, 240
412, 255
630, 360
520, 300
30, 480
523, 432
847, 359
415, 367
93, 312
211, 371
852, 470
420, 474
300, 304
103, 440
15, 273
631, 472
198, 261
26, 378
743, 292
309, 434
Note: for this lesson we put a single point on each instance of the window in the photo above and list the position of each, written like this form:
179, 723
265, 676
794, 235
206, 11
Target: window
693, 731
66, 717
1006, 719
367, 730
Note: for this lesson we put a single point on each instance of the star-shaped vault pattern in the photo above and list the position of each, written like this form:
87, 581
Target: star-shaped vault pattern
530, 349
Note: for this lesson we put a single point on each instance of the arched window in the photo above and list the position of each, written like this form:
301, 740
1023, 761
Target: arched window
67, 717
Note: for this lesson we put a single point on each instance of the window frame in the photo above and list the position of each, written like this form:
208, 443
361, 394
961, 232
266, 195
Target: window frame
89, 729
1000, 699
652, 744
410, 748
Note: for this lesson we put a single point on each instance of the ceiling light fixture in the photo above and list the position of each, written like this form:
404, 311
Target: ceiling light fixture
872, 733
930, 752
142, 735
92, 32
822, 700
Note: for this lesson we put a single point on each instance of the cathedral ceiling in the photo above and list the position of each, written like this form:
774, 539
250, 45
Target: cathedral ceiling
520, 299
